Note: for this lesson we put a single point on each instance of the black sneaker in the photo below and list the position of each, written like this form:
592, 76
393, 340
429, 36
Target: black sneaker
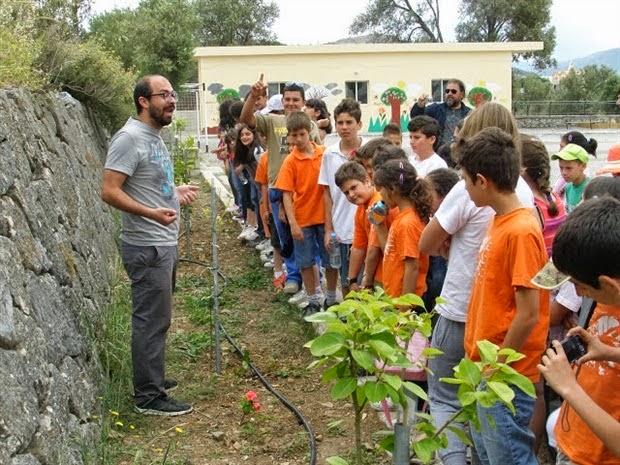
310, 309
164, 406
170, 384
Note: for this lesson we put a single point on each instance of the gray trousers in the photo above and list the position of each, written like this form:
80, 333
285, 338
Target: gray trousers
448, 336
152, 271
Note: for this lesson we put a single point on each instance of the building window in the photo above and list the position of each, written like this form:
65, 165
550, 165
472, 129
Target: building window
275, 88
357, 90
438, 88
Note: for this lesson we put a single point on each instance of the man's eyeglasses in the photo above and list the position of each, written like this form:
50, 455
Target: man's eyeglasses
452, 91
174, 95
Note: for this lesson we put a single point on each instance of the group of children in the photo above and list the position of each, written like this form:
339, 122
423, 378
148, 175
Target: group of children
477, 239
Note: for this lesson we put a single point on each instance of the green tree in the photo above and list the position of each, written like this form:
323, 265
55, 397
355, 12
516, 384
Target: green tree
165, 31
509, 20
236, 22
590, 83
116, 31
399, 21
530, 88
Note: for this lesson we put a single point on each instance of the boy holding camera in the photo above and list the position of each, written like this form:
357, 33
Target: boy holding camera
587, 248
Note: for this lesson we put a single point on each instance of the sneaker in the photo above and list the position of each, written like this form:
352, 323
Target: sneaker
298, 297
233, 209
302, 304
270, 264
238, 217
265, 244
266, 257
170, 385
164, 406
252, 235
253, 242
244, 232
278, 283
310, 309
291, 287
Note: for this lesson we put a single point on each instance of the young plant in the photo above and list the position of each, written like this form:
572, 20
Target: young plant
364, 333
485, 382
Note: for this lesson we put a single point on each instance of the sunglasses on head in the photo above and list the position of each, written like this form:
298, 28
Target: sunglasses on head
452, 91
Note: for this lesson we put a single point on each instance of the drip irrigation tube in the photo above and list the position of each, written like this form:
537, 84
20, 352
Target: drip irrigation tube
218, 327
279, 396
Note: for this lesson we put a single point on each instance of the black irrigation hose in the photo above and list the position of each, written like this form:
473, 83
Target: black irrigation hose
279, 396
220, 327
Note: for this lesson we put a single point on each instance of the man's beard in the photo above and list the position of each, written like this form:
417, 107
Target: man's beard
159, 117
452, 102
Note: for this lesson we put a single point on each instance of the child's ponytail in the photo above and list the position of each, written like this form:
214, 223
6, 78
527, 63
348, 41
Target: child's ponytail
422, 198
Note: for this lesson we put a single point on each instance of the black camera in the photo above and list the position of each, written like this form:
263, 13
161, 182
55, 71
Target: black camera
574, 348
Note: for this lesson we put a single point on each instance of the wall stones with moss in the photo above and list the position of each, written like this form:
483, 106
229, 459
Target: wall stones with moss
57, 255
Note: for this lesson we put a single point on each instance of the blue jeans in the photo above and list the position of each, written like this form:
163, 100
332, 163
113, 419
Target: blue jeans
152, 271
235, 185
312, 246
448, 336
292, 271
504, 438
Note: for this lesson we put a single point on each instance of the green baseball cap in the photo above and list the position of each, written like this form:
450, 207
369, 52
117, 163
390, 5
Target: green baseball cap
572, 152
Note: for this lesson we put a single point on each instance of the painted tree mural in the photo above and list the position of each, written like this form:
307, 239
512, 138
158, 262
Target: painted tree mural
227, 94
394, 97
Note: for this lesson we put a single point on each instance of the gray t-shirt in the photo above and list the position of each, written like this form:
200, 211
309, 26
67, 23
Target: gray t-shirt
138, 151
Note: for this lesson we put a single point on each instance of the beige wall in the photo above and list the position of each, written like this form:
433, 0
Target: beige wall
410, 67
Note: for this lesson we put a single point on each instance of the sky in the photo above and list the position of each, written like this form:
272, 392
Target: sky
582, 27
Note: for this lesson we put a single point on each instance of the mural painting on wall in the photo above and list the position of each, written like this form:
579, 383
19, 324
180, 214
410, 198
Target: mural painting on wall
479, 95
395, 99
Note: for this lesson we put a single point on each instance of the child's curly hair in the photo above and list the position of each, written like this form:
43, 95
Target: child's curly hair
401, 176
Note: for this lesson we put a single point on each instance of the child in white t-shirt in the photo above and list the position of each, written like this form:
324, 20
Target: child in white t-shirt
423, 133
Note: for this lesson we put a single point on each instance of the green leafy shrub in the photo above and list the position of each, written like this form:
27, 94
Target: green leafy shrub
93, 76
17, 55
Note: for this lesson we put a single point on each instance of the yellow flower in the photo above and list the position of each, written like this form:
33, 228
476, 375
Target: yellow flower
113, 413
132, 427
178, 430
119, 423
159, 449
95, 417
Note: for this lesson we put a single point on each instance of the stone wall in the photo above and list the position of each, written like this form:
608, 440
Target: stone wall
57, 255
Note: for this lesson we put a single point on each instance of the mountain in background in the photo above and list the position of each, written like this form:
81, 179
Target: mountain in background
609, 58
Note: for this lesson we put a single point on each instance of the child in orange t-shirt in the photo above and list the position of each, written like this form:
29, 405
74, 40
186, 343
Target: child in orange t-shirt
303, 204
404, 267
357, 187
505, 308
587, 248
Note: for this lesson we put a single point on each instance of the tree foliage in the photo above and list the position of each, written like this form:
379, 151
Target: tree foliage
531, 88
509, 20
399, 21
236, 22
590, 83
481, 21
165, 39
115, 30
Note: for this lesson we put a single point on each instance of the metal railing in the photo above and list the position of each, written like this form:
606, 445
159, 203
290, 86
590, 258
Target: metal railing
561, 108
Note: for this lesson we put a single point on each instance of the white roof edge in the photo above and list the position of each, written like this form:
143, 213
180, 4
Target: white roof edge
451, 47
